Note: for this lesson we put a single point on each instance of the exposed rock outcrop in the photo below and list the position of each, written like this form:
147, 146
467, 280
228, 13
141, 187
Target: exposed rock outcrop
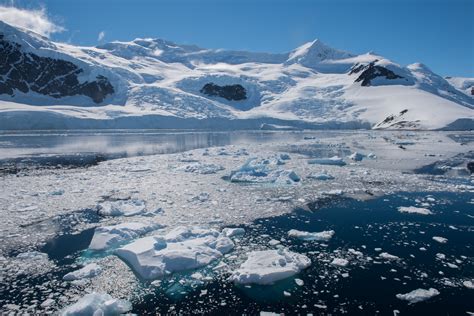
233, 92
22, 71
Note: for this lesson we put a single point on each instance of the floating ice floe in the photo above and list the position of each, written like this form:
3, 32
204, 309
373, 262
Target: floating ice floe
387, 256
89, 271
335, 161
201, 168
184, 248
97, 304
468, 284
320, 176
356, 156
418, 295
232, 232
319, 236
414, 210
441, 240
263, 171
339, 262
122, 208
269, 266
107, 237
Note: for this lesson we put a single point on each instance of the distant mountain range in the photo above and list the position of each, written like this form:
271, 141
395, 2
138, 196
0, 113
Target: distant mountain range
154, 83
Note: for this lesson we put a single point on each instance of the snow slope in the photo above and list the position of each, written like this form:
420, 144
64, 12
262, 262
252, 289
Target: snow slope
159, 84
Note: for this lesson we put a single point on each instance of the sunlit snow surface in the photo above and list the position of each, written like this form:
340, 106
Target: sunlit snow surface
51, 214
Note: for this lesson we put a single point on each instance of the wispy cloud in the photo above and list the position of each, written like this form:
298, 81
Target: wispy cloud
101, 36
34, 20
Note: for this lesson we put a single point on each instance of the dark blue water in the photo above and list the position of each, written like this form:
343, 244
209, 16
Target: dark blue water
370, 288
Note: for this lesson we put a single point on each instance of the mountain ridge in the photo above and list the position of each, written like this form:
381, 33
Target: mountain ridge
155, 80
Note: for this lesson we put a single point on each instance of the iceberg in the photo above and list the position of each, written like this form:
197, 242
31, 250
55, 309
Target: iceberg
269, 266
418, 295
122, 208
97, 304
414, 210
319, 236
107, 237
335, 161
181, 249
89, 271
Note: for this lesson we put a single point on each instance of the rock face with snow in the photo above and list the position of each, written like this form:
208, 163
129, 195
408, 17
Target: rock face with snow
269, 266
183, 248
154, 83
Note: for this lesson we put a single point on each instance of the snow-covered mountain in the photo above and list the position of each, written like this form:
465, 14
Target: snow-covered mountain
154, 83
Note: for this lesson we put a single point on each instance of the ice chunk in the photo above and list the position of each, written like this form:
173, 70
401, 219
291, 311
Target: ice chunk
320, 176
264, 171
319, 236
231, 232
122, 208
418, 295
414, 210
387, 256
356, 156
181, 249
107, 237
268, 266
89, 271
340, 262
97, 304
441, 240
201, 168
468, 284
336, 161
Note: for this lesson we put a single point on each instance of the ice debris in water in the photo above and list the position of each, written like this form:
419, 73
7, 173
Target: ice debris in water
107, 237
97, 304
418, 295
201, 168
269, 266
335, 160
387, 256
318, 236
441, 240
183, 248
264, 171
414, 210
122, 208
89, 271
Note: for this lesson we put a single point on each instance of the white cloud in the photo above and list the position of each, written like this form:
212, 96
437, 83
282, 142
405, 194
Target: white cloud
101, 36
34, 20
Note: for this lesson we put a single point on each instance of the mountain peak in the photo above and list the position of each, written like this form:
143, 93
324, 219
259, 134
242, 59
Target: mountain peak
314, 52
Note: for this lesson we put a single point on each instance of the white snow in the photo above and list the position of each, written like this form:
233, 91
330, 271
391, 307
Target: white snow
269, 266
107, 237
89, 271
97, 304
184, 248
316, 236
414, 210
418, 295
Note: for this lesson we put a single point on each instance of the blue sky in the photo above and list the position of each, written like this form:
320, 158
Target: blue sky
437, 33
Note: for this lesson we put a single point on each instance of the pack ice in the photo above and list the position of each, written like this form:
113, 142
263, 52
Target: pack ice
264, 171
269, 266
122, 208
183, 248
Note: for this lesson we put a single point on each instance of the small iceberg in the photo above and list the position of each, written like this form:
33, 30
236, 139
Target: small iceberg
269, 266
418, 295
97, 304
309, 236
89, 271
335, 161
414, 210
